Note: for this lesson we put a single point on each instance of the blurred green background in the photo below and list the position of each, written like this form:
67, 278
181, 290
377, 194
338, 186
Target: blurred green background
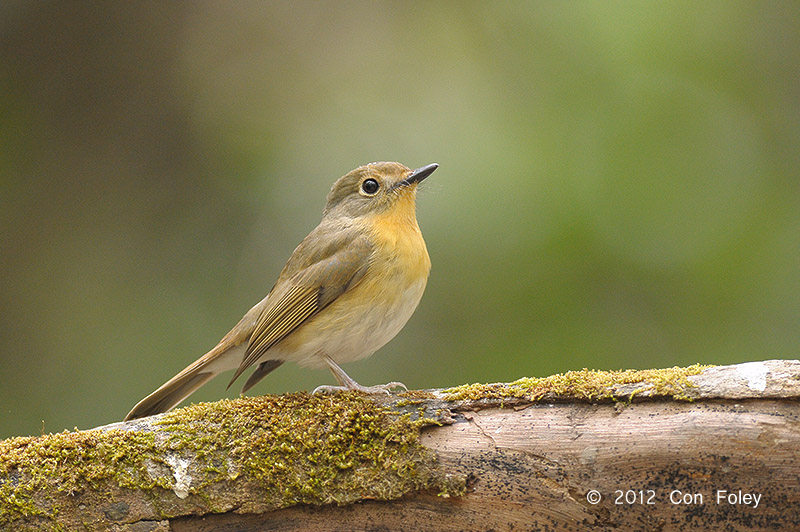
618, 187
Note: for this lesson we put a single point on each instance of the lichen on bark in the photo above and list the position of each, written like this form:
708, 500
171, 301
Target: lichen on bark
247, 454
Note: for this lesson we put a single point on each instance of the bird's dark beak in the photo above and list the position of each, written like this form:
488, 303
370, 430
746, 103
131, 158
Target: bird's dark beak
418, 175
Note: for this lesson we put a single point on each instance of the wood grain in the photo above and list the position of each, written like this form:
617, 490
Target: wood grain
728, 459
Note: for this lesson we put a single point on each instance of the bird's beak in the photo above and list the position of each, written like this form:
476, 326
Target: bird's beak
417, 175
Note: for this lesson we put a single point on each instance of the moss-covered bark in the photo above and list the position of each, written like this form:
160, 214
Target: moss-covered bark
255, 455
248, 454
586, 385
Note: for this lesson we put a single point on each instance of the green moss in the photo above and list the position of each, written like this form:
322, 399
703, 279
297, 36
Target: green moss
585, 385
34, 468
314, 449
292, 449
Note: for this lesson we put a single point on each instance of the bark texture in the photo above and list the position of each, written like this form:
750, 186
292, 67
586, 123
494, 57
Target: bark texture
706, 449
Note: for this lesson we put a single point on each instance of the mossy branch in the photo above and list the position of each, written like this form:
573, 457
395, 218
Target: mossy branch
663, 449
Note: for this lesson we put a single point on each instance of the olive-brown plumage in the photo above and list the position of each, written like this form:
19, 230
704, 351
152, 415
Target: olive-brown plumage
346, 290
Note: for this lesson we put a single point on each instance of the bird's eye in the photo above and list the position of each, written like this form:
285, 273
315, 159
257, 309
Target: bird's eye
370, 187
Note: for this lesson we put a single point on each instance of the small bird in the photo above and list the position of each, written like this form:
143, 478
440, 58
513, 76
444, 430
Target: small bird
346, 290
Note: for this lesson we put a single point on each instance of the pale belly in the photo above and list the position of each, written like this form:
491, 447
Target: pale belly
351, 328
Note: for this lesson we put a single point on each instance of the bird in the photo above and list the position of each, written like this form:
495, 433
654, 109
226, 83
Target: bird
347, 289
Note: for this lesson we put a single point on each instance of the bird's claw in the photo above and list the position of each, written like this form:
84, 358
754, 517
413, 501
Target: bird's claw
378, 389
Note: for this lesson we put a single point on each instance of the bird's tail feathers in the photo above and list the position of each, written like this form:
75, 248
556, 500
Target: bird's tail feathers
169, 394
222, 358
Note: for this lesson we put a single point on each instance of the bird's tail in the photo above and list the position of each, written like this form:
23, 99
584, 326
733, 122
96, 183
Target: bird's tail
225, 356
171, 393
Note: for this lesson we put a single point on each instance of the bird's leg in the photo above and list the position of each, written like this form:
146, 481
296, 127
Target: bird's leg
347, 383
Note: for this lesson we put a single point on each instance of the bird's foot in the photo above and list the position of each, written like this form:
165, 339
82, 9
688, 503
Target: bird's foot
378, 389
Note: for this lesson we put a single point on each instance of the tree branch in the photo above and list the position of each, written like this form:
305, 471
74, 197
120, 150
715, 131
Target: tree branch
685, 448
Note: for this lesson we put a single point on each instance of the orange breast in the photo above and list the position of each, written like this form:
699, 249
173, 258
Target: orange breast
398, 241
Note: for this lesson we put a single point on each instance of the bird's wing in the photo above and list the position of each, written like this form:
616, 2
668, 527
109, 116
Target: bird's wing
299, 295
